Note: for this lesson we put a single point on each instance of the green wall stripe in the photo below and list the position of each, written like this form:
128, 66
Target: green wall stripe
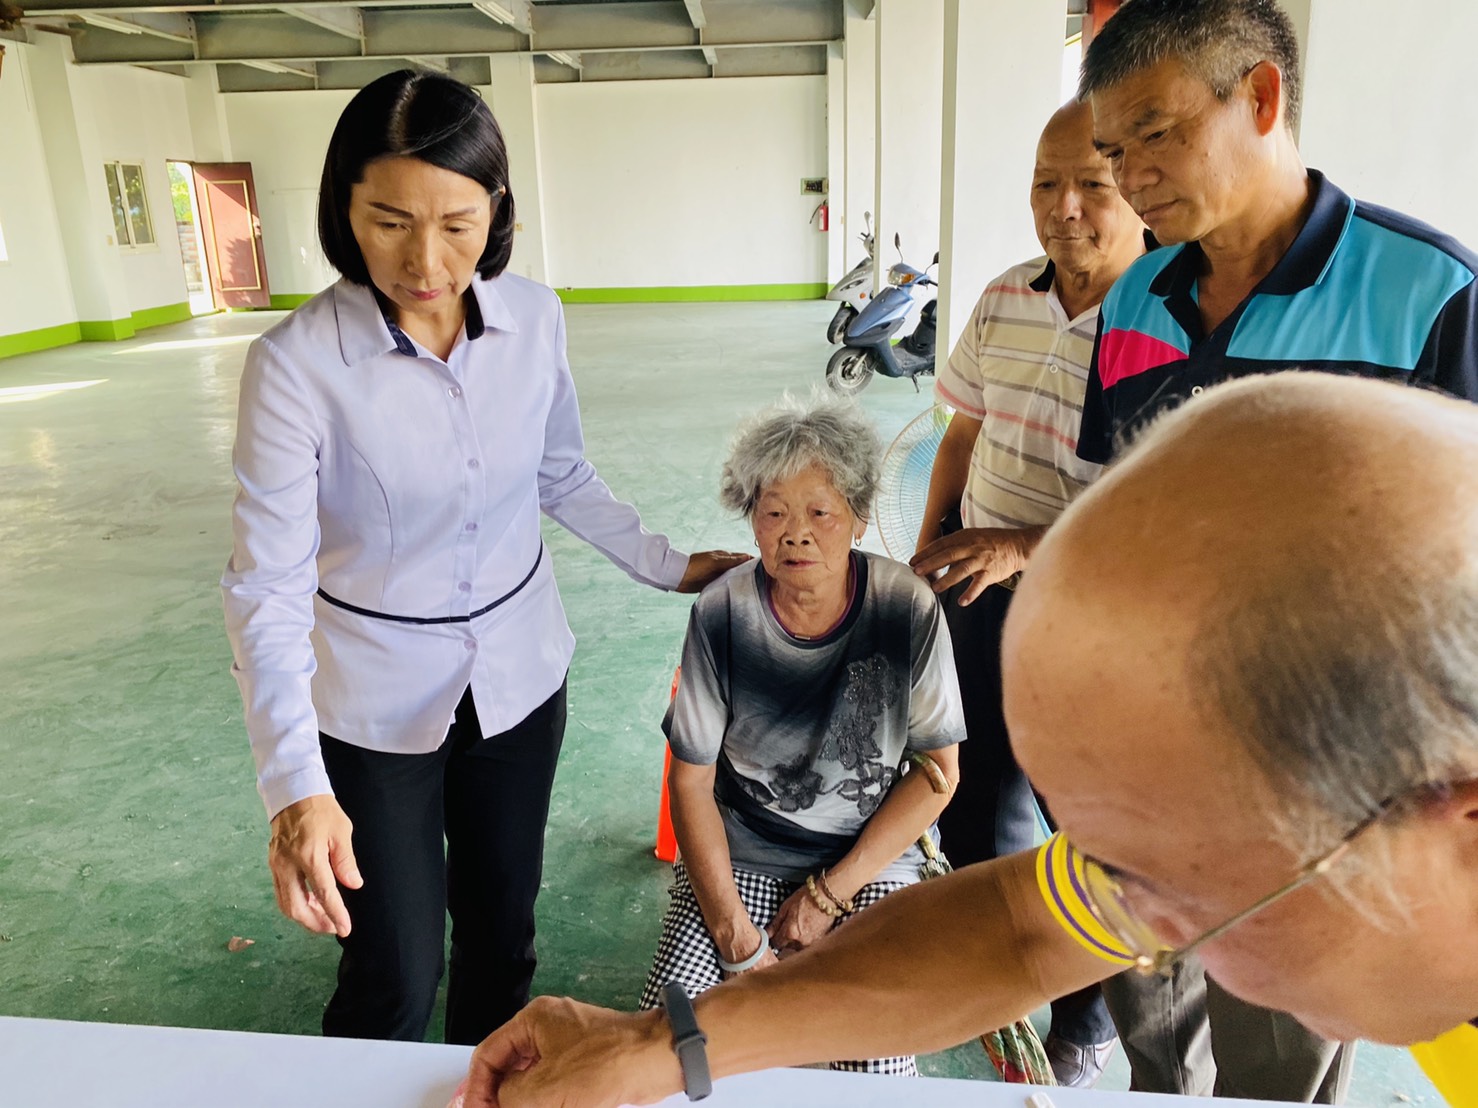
28, 342
286, 302
98, 330
158, 317
682, 293
106, 330
114, 330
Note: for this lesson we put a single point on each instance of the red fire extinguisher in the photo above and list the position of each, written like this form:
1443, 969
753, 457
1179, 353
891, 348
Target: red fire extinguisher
821, 216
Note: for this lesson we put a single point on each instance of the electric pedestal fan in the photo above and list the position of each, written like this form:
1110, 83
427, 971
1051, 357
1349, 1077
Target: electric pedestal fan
903, 487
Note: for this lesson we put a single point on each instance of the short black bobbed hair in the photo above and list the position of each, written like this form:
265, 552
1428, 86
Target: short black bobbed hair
411, 114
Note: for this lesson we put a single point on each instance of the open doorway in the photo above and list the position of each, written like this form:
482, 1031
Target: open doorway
192, 244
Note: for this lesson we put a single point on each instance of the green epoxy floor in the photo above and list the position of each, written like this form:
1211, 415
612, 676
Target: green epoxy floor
132, 842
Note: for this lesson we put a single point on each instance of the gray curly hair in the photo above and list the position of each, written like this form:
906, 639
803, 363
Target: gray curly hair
780, 441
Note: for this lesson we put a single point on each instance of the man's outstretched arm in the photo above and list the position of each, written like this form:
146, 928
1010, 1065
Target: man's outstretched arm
931, 966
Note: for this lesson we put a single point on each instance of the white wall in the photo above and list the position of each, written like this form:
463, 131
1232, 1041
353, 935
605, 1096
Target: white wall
35, 291
142, 117
284, 136
661, 183
1389, 106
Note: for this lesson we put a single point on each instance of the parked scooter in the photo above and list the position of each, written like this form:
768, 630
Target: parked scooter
867, 346
855, 289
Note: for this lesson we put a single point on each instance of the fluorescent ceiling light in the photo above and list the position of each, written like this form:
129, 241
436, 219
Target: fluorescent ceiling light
493, 10
273, 67
109, 23
564, 59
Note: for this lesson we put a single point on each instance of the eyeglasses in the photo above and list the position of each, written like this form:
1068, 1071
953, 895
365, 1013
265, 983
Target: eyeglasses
1152, 955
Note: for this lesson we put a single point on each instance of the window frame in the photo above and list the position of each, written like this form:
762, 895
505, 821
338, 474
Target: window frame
113, 175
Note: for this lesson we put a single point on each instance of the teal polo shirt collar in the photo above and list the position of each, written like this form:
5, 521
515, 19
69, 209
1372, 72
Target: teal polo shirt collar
1302, 266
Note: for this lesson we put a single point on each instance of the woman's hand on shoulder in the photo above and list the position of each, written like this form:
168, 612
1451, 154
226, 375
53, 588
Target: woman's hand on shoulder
310, 857
708, 565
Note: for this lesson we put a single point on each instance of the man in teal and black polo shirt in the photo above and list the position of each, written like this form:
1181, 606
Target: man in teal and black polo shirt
1267, 266
1276, 268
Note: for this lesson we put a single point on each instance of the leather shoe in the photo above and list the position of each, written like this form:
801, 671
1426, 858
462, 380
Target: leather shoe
1077, 1067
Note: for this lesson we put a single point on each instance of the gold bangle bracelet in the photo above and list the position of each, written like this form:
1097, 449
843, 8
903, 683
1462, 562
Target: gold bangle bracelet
937, 780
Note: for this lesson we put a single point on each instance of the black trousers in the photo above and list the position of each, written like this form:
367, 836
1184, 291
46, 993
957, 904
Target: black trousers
993, 811
460, 830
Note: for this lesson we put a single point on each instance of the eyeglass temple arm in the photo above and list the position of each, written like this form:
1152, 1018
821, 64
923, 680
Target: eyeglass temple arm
1315, 869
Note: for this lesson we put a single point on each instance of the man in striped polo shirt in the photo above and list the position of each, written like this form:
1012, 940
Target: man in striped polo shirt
1007, 468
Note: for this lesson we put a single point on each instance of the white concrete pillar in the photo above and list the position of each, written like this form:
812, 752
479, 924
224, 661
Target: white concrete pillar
511, 96
1389, 108
836, 160
1002, 81
910, 52
207, 111
74, 162
861, 48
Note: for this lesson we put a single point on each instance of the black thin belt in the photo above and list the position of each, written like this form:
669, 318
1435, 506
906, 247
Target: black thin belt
507, 596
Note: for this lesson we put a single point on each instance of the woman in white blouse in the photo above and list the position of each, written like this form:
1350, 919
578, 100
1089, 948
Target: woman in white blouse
397, 633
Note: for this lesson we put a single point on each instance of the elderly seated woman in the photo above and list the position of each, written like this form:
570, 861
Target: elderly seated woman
815, 725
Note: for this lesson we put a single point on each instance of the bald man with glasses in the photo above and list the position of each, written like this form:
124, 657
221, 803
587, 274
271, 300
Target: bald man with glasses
1281, 773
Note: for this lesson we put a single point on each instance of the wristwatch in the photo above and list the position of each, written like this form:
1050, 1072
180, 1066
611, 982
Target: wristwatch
688, 1040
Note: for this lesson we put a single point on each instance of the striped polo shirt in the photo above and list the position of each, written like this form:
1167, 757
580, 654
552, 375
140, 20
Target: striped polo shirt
1361, 290
1020, 368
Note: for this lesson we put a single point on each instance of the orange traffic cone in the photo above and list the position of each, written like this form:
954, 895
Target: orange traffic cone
666, 836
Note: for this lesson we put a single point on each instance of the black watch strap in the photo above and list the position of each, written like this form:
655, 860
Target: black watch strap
688, 1040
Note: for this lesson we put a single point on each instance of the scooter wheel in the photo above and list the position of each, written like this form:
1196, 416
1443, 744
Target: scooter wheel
838, 325
849, 371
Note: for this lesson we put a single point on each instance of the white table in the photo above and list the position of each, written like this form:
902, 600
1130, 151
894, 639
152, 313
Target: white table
54, 1062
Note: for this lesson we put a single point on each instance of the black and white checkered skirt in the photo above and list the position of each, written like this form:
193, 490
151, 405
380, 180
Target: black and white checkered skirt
686, 952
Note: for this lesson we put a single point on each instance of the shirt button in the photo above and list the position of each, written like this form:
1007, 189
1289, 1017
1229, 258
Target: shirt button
470, 527
454, 392
1196, 390
473, 463
470, 645
1052, 367
463, 586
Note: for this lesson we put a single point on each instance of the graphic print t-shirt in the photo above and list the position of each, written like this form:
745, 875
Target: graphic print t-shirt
814, 730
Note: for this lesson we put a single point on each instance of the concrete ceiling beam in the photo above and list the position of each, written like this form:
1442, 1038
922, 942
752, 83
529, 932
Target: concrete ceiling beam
389, 33
517, 14
283, 69
341, 19
643, 24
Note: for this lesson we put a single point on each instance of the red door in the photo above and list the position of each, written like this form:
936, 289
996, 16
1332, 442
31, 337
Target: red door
232, 229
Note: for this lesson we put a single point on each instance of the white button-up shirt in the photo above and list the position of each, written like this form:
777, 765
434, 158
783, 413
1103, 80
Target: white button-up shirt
403, 485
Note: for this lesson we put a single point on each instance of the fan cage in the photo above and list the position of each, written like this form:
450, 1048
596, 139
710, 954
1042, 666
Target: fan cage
903, 485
